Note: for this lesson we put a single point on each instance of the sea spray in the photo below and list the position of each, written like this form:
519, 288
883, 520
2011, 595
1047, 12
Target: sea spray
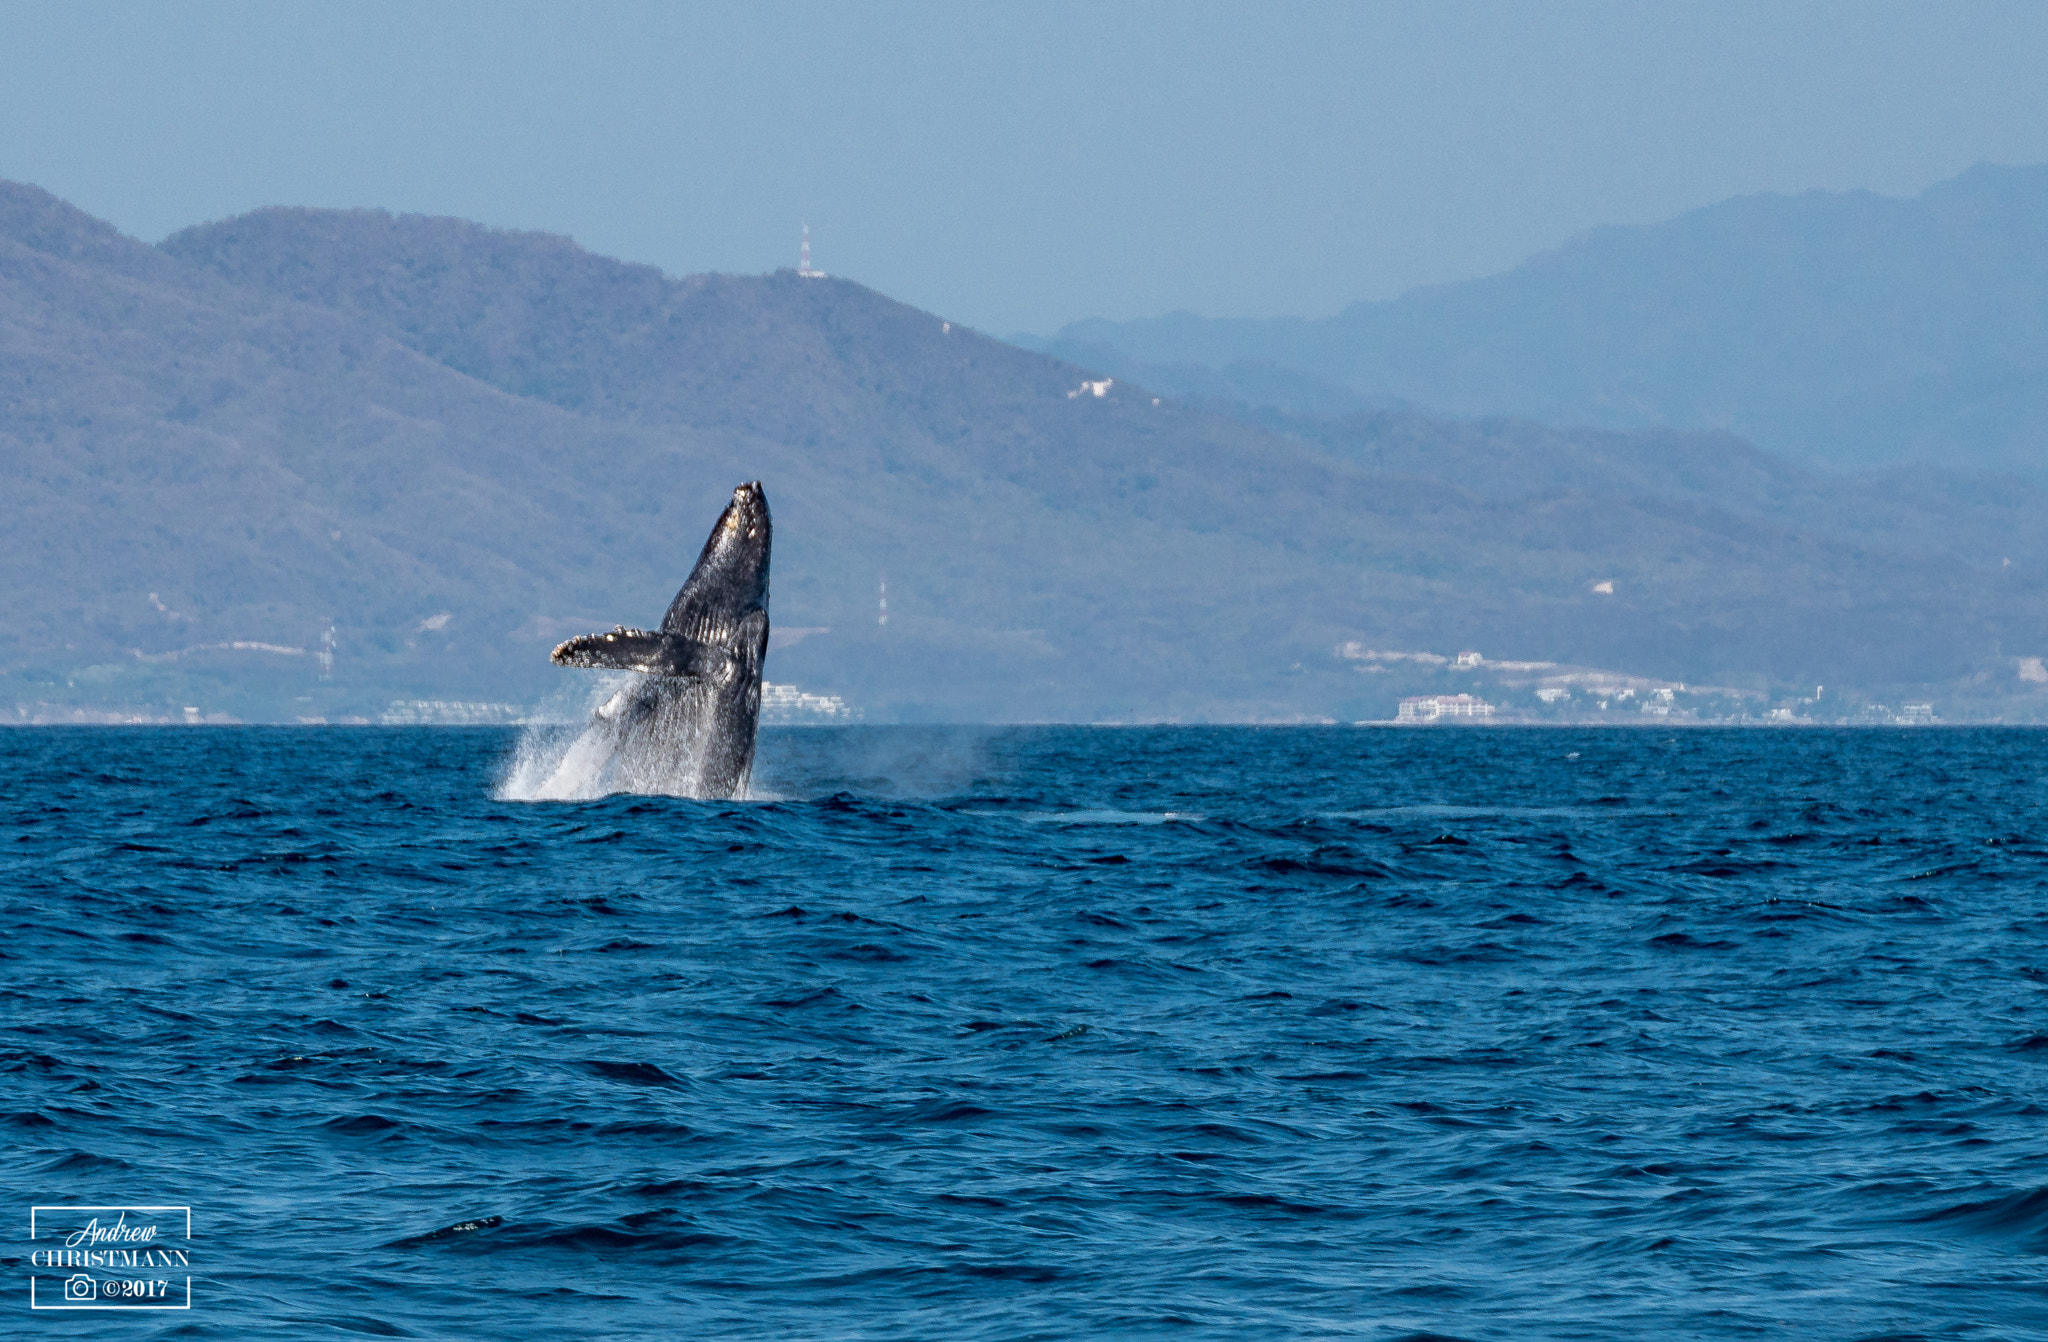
620, 734
562, 754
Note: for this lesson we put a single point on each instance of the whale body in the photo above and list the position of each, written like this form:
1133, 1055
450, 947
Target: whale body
685, 724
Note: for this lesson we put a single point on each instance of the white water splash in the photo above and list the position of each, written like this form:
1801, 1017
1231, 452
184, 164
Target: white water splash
603, 739
564, 755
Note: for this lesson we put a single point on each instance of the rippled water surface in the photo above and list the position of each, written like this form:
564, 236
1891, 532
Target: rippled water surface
1043, 1033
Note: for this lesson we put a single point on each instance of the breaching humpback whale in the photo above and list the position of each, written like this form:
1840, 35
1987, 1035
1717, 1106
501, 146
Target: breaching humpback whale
686, 724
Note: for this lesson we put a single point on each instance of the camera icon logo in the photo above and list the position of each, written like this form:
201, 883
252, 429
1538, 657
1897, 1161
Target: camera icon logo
81, 1287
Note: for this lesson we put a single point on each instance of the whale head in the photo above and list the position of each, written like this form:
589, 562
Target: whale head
731, 577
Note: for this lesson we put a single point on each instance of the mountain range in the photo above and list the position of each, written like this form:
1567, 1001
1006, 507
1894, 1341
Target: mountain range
1840, 330
330, 464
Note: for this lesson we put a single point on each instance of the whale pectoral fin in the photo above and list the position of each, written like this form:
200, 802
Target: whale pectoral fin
651, 653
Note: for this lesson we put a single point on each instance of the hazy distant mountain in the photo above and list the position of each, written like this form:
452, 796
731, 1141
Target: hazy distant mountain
452, 445
1844, 330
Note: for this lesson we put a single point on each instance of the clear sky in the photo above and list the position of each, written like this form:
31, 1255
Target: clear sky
1018, 166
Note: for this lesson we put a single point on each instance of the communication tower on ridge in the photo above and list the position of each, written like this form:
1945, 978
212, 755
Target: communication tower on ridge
803, 257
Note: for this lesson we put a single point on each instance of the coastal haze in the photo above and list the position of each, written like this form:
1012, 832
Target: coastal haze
1843, 330
348, 465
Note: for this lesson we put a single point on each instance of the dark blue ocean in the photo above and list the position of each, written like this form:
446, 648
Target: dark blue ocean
1043, 1033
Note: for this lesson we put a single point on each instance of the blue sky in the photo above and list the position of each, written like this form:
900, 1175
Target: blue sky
1016, 167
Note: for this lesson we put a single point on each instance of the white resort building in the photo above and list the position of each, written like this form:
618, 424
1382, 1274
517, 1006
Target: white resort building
1436, 707
788, 706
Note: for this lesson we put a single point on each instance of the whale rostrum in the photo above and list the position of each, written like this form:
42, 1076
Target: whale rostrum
686, 724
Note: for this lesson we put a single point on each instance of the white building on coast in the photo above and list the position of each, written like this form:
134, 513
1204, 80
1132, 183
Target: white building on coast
1438, 707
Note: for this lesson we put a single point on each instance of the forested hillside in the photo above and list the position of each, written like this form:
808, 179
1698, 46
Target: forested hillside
434, 449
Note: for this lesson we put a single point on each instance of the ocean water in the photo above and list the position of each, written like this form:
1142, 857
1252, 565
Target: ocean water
1042, 1033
